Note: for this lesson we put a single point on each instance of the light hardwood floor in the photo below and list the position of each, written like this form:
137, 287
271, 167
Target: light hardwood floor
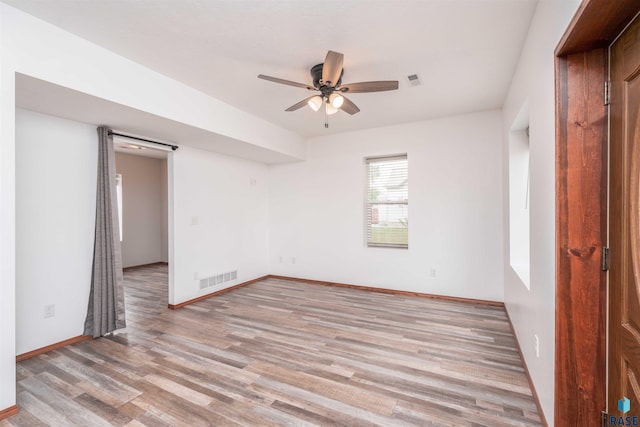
280, 352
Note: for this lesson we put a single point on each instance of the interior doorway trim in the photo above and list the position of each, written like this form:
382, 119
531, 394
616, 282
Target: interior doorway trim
581, 209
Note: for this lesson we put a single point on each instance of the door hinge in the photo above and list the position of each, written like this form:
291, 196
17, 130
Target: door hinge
605, 419
607, 87
605, 258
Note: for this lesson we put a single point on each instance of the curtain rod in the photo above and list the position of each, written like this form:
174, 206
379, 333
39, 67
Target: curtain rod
173, 147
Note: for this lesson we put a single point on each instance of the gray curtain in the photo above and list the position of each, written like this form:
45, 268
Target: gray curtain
106, 301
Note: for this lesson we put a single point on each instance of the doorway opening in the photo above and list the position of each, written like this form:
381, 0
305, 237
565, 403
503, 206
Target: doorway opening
143, 184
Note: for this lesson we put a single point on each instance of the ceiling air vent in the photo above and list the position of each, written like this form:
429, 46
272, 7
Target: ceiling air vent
414, 80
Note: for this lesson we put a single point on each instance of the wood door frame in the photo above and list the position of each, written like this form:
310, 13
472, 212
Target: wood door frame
581, 209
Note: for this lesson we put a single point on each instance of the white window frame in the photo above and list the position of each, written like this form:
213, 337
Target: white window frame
369, 203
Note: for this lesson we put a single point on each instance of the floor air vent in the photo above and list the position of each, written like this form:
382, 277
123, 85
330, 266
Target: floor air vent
218, 279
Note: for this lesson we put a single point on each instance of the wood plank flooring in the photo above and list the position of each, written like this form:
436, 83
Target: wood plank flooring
280, 352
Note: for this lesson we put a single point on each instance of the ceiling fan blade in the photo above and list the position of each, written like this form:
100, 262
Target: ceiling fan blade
348, 106
285, 82
332, 68
300, 104
377, 86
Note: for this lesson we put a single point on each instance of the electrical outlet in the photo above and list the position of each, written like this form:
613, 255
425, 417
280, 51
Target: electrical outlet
195, 275
49, 311
432, 272
293, 260
537, 345
280, 259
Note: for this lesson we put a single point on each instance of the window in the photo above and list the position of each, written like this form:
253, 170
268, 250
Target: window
519, 214
387, 201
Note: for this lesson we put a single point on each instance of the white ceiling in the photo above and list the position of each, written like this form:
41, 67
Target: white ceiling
464, 51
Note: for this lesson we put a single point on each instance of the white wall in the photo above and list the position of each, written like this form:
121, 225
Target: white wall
143, 209
56, 169
455, 209
7, 230
533, 311
220, 220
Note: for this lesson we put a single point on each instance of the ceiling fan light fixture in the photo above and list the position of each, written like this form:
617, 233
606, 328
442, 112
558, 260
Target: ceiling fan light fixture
336, 100
327, 83
315, 102
330, 109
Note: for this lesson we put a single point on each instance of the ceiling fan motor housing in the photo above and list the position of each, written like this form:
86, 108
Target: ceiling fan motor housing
316, 75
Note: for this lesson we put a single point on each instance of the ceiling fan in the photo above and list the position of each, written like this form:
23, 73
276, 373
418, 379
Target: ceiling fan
327, 79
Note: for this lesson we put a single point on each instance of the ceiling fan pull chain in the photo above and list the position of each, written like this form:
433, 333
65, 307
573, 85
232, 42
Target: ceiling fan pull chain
326, 117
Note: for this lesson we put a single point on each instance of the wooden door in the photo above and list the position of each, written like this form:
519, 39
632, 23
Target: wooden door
624, 223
